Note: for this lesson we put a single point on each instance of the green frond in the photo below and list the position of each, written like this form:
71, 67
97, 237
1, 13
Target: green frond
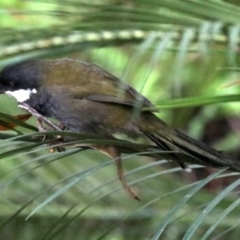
183, 56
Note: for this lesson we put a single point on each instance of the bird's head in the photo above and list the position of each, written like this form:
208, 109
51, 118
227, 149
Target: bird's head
20, 80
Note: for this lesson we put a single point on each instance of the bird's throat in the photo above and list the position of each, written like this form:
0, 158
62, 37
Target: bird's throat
22, 95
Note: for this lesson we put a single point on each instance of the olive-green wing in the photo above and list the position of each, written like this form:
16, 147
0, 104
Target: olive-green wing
99, 85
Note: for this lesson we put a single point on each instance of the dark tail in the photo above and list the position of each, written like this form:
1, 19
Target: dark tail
191, 151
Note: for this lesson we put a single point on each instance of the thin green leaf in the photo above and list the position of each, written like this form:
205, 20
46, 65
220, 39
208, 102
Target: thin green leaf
182, 201
207, 210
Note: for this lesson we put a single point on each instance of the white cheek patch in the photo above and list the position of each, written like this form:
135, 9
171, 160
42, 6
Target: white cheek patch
22, 95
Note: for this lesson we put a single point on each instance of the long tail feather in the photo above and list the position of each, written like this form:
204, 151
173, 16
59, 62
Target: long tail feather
196, 151
191, 151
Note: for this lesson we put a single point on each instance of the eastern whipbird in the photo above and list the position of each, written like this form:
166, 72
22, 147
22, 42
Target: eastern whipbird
87, 99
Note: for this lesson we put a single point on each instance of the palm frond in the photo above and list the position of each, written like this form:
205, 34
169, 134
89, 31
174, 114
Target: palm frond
185, 50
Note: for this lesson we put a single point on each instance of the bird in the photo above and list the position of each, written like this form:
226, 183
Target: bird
86, 99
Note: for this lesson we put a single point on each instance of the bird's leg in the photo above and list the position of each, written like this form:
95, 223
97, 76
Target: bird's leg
40, 126
59, 148
40, 120
113, 152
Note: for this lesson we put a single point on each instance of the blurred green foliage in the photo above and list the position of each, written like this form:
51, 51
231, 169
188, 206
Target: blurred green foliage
23, 14
186, 53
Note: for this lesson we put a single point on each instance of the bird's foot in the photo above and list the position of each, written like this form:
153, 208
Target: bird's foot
57, 142
39, 117
40, 120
